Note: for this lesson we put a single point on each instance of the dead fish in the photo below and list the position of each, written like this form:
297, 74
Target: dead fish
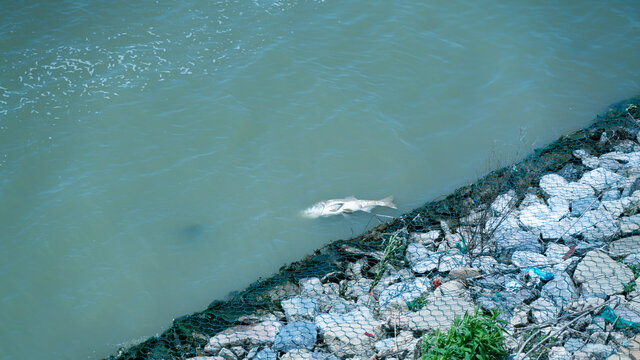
345, 206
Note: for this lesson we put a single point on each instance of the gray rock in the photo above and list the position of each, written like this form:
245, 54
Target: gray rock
559, 206
626, 205
630, 224
568, 265
356, 288
626, 146
520, 316
510, 239
525, 259
336, 304
439, 313
588, 160
262, 333
349, 334
632, 259
581, 205
296, 335
559, 353
597, 273
299, 308
354, 269
401, 293
283, 291
595, 225
610, 195
318, 355
629, 159
602, 179
311, 287
599, 323
558, 230
507, 301
297, 354
421, 259
556, 185
486, 264
496, 281
600, 350
427, 238
570, 172
448, 262
530, 199
543, 310
266, 354
624, 247
593, 218
538, 215
581, 355
331, 289
556, 251
573, 345
560, 290
394, 344
239, 351
504, 203
252, 352
227, 354
632, 187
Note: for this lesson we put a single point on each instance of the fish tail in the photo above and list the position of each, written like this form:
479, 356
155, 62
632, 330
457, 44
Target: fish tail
388, 201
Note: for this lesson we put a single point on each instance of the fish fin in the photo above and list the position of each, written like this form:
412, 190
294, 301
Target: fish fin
335, 207
388, 202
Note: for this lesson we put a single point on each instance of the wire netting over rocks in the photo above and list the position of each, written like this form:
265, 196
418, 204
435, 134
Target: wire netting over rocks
547, 250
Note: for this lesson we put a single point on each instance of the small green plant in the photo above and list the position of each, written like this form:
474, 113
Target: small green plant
629, 287
472, 337
417, 304
635, 268
395, 243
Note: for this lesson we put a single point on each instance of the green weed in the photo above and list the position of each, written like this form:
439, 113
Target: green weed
417, 304
394, 244
635, 268
629, 287
472, 337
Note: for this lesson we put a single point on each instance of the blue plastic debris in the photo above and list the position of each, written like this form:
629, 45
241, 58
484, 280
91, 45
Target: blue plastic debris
611, 317
513, 286
543, 275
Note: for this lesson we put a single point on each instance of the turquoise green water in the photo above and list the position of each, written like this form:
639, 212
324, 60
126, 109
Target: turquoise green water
155, 156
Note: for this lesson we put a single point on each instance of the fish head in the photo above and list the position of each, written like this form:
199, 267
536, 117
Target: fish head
324, 208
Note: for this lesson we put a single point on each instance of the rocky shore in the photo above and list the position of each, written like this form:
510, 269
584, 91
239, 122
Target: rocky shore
552, 243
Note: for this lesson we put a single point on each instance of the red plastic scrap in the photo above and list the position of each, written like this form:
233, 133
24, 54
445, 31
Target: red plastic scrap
569, 253
436, 283
369, 334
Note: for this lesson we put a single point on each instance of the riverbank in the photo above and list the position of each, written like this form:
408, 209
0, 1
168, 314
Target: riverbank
549, 242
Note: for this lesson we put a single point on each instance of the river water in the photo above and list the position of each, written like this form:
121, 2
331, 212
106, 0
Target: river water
154, 156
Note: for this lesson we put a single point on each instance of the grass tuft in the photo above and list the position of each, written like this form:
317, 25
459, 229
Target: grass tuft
473, 337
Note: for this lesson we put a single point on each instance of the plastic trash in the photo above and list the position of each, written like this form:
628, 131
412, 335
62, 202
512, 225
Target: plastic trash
462, 247
513, 286
543, 275
610, 316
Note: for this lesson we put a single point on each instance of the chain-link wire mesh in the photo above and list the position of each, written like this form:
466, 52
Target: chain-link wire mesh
551, 245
